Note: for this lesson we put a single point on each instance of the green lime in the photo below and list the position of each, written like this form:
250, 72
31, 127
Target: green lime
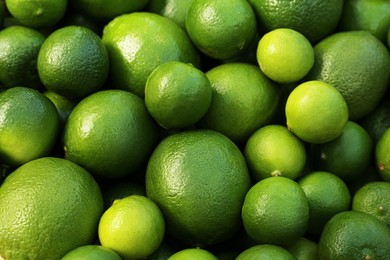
73, 62
354, 235
120, 124
274, 151
199, 179
316, 112
244, 100
275, 211
38, 13
49, 206
285, 55
63, 104
177, 94
265, 251
20, 46
382, 155
304, 249
138, 42
220, 29
327, 195
91, 252
357, 64
29, 125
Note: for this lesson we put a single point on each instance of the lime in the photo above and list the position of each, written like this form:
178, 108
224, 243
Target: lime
138, 42
73, 62
354, 235
382, 155
20, 46
29, 125
327, 195
133, 227
177, 94
63, 104
221, 30
244, 99
285, 55
275, 211
189, 175
91, 252
193, 253
304, 249
316, 112
265, 251
48, 207
119, 122
274, 151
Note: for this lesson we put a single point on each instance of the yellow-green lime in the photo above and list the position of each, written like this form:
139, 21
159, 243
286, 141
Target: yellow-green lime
103, 11
275, 211
63, 104
91, 252
265, 251
357, 64
38, 13
138, 42
373, 198
372, 16
73, 62
274, 151
221, 30
110, 133
315, 19
193, 253
316, 112
244, 100
176, 10
382, 155
285, 55
354, 235
133, 227
48, 207
199, 179
29, 125
177, 94
304, 249
327, 195
18, 57
348, 156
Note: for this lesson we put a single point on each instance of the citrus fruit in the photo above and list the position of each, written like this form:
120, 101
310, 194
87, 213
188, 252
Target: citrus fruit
103, 12
221, 30
263, 218
63, 105
372, 16
73, 62
348, 156
133, 227
265, 251
110, 133
317, 18
354, 235
304, 249
357, 64
377, 121
138, 42
18, 59
244, 99
177, 94
38, 13
176, 10
382, 155
29, 125
48, 207
193, 253
285, 55
373, 198
274, 151
188, 175
91, 252
316, 112
327, 195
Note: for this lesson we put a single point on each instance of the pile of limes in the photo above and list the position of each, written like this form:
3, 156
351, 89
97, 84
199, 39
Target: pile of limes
194, 129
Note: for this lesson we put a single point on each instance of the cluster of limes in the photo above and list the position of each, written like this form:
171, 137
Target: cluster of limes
194, 129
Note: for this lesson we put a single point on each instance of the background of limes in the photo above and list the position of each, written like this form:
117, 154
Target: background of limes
194, 129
